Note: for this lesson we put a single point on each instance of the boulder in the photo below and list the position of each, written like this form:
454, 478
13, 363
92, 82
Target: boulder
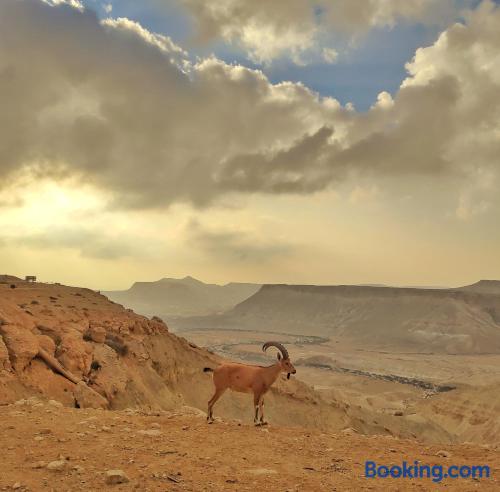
4, 356
21, 343
86, 397
74, 353
97, 334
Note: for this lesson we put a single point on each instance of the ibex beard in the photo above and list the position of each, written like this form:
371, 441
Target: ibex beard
245, 378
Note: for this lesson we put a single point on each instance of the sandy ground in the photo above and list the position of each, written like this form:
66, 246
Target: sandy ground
184, 453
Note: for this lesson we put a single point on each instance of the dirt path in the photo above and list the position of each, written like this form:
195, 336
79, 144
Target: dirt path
184, 453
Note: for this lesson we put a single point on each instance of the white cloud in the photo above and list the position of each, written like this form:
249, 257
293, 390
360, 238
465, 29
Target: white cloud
267, 30
330, 55
384, 101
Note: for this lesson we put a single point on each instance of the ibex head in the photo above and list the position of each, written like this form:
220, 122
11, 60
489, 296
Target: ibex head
283, 357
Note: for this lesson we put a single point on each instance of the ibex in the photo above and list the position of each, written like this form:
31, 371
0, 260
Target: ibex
246, 378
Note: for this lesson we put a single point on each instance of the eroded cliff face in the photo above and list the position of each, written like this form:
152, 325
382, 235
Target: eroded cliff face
75, 346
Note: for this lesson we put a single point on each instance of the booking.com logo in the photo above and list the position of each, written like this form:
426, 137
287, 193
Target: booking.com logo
416, 470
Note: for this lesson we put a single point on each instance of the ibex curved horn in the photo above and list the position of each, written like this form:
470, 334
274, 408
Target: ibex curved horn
279, 346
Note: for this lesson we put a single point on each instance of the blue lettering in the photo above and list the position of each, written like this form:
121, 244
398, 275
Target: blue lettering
370, 469
437, 473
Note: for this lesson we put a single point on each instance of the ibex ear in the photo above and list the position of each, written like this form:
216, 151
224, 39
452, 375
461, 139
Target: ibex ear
279, 356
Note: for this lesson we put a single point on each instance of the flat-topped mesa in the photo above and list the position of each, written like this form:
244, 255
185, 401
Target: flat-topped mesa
453, 321
378, 290
483, 287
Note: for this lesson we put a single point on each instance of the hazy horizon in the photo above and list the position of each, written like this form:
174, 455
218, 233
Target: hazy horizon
126, 286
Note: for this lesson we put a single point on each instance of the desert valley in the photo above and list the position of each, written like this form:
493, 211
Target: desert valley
82, 374
416, 363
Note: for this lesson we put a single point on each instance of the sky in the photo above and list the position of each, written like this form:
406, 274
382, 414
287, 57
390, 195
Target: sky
293, 141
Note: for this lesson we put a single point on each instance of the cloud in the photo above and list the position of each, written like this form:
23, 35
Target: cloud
125, 110
89, 243
238, 246
330, 55
267, 30
301, 168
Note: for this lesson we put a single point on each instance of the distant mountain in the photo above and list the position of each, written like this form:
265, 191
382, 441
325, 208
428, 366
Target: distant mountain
483, 287
385, 318
170, 297
9, 278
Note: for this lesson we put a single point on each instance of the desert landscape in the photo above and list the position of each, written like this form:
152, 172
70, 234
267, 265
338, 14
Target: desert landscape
249, 245
79, 369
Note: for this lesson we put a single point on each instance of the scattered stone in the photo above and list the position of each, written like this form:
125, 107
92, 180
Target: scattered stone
173, 478
114, 477
150, 432
55, 403
398, 413
17, 486
262, 471
38, 465
349, 431
187, 410
155, 425
58, 465
45, 431
38, 438
443, 454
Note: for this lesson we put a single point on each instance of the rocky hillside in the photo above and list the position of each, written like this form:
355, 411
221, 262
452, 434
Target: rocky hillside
415, 320
170, 297
75, 346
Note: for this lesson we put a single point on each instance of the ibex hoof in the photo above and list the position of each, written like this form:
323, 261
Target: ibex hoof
263, 423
